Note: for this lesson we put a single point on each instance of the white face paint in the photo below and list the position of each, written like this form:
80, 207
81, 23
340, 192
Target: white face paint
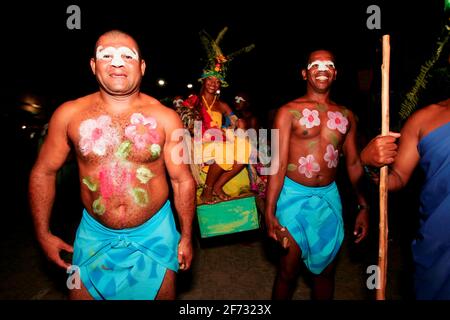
322, 65
238, 99
117, 56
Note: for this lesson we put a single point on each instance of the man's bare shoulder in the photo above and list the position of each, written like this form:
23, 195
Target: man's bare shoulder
298, 103
427, 118
146, 99
426, 113
334, 106
73, 107
345, 111
159, 110
153, 103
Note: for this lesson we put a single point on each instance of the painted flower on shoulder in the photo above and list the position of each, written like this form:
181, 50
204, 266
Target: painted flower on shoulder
308, 165
142, 131
331, 156
336, 121
97, 135
310, 118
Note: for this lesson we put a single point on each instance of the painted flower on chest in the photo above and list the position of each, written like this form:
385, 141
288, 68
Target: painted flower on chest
308, 165
115, 179
97, 135
336, 121
142, 131
331, 156
310, 118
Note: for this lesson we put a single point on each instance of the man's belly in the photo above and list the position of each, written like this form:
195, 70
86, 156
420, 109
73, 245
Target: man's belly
316, 180
125, 211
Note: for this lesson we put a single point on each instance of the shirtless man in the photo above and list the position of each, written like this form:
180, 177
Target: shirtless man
425, 139
303, 207
127, 245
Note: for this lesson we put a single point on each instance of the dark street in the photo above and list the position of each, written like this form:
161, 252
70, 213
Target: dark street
46, 64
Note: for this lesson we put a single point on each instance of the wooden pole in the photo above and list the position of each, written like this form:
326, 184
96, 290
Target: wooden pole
383, 237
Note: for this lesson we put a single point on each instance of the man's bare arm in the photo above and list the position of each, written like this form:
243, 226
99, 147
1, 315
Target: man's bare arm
51, 158
355, 171
407, 158
282, 123
382, 150
183, 185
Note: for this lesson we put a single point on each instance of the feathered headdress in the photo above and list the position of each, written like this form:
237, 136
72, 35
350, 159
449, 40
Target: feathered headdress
217, 63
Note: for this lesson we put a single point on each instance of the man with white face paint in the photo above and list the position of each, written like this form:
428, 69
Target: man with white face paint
303, 208
127, 245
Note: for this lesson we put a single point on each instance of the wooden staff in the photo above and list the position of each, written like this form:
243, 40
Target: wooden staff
383, 237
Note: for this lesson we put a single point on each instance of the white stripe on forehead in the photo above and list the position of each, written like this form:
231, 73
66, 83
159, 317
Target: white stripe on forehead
323, 65
115, 55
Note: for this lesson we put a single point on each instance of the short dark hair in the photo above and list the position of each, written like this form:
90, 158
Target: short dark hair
310, 50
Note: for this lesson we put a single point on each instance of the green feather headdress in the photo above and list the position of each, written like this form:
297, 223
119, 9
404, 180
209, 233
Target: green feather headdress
217, 62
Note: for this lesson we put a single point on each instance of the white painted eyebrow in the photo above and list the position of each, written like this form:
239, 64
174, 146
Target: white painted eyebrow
121, 50
324, 63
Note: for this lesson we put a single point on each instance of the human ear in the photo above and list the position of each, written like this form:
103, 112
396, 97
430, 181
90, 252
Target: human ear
143, 66
304, 74
92, 63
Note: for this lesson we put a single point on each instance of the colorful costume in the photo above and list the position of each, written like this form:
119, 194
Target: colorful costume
313, 216
127, 263
223, 153
431, 249
217, 63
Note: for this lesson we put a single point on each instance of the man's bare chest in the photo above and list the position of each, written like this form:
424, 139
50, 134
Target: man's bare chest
134, 137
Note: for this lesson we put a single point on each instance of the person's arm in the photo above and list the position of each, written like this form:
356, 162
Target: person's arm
253, 123
282, 123
42, 185
183, 187
226, 110
355, 172
241, 124
408, 156
382, 150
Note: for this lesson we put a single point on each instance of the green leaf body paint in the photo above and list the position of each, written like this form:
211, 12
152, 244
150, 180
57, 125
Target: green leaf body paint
321, 107
291, 167
90, 184
140, 196
297, 115
312, 145
98, 206
155, 150
334, 139
124, 150
144, 174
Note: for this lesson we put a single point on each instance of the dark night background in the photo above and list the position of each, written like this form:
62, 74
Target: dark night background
43, 60
41, 55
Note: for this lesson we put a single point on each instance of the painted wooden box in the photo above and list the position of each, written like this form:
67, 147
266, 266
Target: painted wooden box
235, 215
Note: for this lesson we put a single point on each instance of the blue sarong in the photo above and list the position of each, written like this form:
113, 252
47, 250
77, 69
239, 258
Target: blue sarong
431, 249
313, 216
128, 263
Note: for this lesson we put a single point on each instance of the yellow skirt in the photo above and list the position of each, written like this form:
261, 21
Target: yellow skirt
226, 153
